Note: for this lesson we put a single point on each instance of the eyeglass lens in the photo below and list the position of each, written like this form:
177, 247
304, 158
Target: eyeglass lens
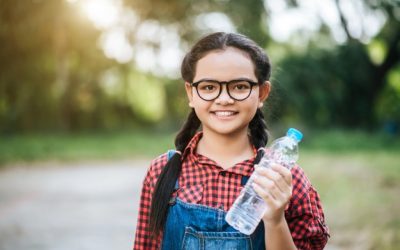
210, 90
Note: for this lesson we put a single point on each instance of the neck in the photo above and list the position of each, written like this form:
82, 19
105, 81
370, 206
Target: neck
226, 150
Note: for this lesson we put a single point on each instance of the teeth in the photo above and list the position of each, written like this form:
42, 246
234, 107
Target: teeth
224, 113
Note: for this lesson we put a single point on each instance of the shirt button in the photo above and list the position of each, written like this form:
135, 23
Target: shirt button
223, 174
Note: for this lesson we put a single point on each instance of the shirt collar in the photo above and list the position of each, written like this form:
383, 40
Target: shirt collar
245, 168
191, 147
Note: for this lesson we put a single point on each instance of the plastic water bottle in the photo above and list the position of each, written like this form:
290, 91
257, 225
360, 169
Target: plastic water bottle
249, 208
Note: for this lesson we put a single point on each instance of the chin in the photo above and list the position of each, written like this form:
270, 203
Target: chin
226, 131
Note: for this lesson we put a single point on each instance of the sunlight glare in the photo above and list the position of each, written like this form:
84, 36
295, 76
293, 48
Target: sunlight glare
214, 21
116, 45
103, 13
285, 21
164, 60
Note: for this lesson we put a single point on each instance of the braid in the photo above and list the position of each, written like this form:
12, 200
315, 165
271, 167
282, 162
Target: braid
258, 133
170, 173
188, 130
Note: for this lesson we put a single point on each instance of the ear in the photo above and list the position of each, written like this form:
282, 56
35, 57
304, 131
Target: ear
189, 93
264, 90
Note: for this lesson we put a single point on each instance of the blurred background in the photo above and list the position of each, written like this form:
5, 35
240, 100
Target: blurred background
90, 92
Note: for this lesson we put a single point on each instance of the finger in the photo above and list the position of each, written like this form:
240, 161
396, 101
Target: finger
279, 189
276, 177
266, 185
270, 189
286, 173
264, 194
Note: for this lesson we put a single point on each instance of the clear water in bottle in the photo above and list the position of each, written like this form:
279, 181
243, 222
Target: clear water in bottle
248, 208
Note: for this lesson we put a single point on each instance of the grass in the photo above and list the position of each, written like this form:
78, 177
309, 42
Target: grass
360, 193
357, 174
83, 146
342, 141
129, 144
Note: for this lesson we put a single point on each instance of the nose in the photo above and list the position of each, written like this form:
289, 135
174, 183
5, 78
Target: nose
224, 97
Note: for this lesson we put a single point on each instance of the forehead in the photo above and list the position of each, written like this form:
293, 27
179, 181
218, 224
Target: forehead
224, 65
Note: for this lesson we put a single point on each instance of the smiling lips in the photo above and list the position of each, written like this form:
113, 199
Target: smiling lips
224, 113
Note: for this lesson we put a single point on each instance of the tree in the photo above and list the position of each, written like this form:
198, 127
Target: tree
347, 66
48, 67
342, 85
247, 16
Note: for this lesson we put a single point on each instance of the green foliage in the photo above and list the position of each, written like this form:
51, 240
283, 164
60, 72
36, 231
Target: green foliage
247, 16
53, 75
146, 97
328, 87
48, 65
339, 141
377, 51
177, 103
388, 104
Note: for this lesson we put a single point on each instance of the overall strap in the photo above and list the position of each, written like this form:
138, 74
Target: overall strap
244, 180
171, 153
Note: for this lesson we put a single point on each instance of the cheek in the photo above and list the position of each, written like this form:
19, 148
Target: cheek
253, 101
199, 103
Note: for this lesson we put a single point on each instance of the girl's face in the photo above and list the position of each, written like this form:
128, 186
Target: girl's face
225, 115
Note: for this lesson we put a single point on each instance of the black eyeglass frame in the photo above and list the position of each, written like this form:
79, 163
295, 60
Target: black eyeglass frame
221, 83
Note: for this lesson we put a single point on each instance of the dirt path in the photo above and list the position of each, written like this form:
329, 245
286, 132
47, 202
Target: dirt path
80, 206
70, 206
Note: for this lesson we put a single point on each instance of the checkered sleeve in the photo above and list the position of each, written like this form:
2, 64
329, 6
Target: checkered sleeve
143, 238
305, 215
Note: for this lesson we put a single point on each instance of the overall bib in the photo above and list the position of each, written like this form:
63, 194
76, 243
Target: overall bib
199, 227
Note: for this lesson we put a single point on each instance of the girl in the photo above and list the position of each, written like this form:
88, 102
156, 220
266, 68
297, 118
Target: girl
186, 193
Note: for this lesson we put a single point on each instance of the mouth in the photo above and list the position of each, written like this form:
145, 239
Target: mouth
223, 114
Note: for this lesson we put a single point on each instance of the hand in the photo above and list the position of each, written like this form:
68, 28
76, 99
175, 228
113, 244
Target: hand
274, 185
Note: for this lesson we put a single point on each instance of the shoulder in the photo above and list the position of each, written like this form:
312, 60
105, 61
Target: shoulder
305, 199
300, 179
155, 169
301, 187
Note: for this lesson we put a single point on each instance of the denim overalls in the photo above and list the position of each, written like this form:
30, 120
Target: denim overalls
199, 227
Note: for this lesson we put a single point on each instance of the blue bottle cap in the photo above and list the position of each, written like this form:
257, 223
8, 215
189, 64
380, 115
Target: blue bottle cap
294, 133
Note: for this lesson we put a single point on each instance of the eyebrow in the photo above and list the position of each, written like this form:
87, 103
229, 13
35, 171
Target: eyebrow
236, 79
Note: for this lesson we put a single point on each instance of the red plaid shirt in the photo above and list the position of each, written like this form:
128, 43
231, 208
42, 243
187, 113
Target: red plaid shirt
202, 181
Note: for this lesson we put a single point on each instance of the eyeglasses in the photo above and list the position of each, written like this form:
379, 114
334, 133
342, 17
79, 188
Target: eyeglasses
238, 89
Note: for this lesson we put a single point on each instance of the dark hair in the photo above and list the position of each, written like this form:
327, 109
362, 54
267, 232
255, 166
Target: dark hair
257, 127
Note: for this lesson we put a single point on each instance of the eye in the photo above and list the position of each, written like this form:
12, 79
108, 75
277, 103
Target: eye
241, 86
208, 86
